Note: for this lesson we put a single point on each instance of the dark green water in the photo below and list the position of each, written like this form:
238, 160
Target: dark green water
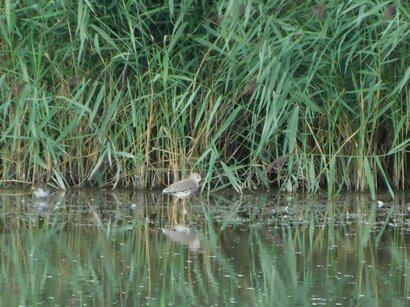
105, 248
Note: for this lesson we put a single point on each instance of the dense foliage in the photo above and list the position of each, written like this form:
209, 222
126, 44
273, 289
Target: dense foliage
250, 94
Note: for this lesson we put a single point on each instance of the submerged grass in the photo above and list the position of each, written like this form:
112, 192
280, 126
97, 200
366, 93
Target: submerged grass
250, 94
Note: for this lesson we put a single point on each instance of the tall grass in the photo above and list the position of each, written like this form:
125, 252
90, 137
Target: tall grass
133, 93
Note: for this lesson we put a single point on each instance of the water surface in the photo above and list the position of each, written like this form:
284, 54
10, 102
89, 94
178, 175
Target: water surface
123, 248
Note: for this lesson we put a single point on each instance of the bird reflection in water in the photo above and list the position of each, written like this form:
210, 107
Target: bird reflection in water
184, 235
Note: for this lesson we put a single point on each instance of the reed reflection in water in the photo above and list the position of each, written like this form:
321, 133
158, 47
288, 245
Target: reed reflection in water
103, 248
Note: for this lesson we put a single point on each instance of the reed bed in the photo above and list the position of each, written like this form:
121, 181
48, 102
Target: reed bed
250, 94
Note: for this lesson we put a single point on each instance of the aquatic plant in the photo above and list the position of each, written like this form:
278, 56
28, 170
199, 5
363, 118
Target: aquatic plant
126, 93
